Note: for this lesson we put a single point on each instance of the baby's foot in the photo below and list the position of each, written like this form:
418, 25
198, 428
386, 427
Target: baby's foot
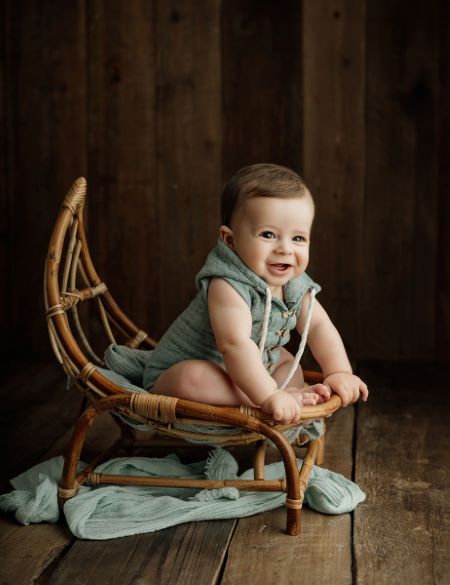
304, 395
309, 398
315, 394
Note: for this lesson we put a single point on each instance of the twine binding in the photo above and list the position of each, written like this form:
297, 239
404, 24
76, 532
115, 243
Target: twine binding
86, 372
154, 407
67, 493
75, 197
137, 339
294, 504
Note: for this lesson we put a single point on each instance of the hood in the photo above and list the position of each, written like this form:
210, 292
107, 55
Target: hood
222, 262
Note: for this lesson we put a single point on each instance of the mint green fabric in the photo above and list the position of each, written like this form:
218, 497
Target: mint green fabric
111, 511
191, 337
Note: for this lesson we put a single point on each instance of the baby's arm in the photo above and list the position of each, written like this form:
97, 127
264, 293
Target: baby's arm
329, 351
231, 322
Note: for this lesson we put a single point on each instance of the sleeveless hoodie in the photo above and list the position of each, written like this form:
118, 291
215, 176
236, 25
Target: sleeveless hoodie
191, 336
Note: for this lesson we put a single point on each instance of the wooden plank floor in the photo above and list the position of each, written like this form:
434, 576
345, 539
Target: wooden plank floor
397, 447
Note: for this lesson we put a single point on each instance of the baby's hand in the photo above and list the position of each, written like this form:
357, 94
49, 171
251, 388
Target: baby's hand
347, 386
283, 407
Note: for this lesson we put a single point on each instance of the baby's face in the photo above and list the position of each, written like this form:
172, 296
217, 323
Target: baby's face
271, 236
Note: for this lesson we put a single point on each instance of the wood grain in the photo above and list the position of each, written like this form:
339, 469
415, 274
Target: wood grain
45, 56
123, 212
5, 195
26, 551
262, 68
400, 241
158, 103
400, 533
443, 258
333, 157
186, 554
39, 410
188, 142
37, 396
403, 460
190, 553
322, 552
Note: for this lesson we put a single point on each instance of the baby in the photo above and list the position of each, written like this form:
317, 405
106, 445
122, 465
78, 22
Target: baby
253, 289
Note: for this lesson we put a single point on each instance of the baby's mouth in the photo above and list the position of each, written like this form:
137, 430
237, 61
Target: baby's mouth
279, 267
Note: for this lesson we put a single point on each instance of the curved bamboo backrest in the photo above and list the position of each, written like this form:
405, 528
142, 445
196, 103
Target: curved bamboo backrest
70, 280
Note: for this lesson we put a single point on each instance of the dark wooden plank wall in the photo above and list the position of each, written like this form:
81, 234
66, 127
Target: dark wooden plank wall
442, 308
6, 291
123, 205
44, 84
187, 41
262, 83
401, 179
334, 156
158, 102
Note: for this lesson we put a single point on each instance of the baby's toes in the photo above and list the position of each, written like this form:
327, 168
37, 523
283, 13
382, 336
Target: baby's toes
322, 390
310, 398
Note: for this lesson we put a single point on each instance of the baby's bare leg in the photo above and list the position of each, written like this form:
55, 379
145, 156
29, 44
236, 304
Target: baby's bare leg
313, 394
200, 381
205, 381
282, 370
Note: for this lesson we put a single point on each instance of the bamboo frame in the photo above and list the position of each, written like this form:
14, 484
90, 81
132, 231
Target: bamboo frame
62, 297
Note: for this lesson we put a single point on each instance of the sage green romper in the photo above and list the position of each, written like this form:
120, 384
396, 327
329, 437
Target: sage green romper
191, 337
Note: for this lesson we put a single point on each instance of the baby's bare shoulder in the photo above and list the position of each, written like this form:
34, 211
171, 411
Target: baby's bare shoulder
220, 291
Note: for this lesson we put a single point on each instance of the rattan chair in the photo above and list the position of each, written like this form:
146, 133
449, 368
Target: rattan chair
71, 280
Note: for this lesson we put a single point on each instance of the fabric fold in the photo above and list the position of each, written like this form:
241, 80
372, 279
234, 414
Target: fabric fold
104, 512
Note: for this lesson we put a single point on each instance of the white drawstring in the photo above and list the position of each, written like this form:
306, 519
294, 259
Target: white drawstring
265, 323
301, 348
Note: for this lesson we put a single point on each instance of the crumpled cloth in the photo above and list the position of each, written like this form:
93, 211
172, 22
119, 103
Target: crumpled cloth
104, 512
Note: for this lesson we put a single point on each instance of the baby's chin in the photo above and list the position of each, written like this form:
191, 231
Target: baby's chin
275, 284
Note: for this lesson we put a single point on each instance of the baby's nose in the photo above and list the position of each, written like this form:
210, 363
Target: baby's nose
285, 246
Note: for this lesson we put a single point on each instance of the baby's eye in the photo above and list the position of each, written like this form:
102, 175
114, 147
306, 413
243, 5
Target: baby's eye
299, 239
268, 235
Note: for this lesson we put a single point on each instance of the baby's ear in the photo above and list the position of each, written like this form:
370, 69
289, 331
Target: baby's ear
226, 235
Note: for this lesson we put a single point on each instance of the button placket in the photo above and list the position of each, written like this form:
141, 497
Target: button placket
282, 333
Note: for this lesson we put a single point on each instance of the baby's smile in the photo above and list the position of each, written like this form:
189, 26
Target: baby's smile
279, 268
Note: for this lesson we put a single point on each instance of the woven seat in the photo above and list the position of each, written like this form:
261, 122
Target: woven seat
70, 282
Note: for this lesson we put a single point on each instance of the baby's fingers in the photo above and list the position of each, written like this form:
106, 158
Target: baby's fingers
344, 393
364, 391
296, 413
277, 414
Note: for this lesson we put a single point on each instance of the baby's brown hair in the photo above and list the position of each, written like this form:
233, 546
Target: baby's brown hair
260, 180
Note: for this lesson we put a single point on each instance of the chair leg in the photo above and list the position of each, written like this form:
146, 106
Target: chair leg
293, 495
259, 459
321, 454
308, 462
69, 485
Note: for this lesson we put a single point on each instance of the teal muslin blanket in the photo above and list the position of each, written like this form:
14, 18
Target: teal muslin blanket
111, 511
